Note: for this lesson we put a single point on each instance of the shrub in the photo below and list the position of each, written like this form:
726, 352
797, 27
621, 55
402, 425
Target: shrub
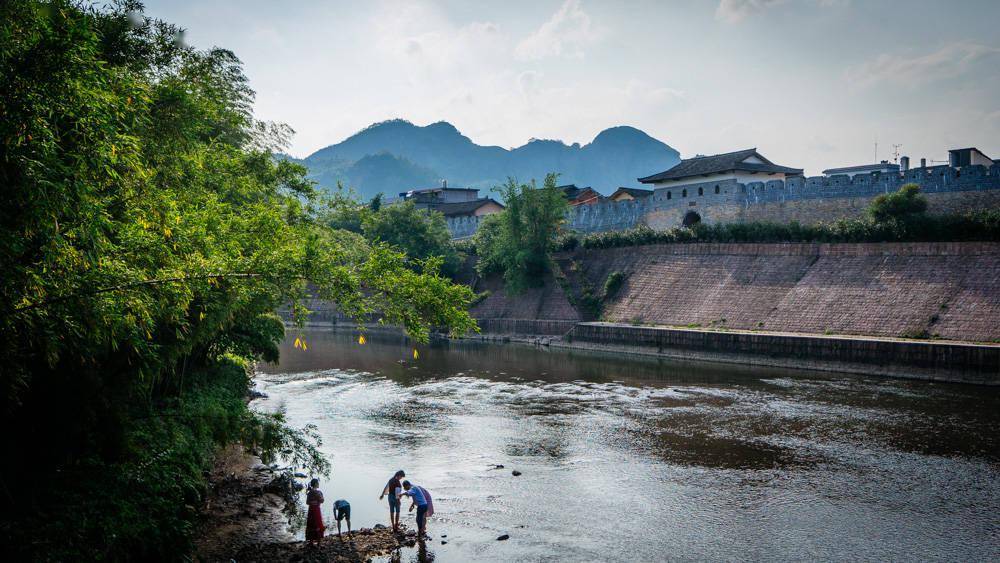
613, 284
910, 227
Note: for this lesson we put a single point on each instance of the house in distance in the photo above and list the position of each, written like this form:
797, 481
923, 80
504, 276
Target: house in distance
710, 174
452, 202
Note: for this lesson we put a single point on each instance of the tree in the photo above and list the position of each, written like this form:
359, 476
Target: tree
147, 235
903, 205
419, 233
519, 240
342, 209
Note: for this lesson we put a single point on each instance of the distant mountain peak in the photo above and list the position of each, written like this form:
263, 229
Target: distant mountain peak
410, 154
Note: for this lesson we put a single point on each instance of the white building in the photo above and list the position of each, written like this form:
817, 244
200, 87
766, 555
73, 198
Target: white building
741, 167
884, 167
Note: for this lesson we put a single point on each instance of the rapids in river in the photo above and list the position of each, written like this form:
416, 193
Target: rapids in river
631, 459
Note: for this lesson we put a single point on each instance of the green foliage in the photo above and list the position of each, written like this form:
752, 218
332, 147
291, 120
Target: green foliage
905, 204
977, 226
420, 233
342, 210
519, 240
613, 283
147, 235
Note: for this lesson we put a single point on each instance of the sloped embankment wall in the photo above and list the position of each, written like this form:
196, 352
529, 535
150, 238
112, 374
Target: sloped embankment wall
946, 290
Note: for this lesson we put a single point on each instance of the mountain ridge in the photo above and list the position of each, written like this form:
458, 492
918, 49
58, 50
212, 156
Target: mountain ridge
396, 155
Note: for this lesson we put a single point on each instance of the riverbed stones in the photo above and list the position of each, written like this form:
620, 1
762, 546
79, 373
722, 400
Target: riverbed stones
504, 537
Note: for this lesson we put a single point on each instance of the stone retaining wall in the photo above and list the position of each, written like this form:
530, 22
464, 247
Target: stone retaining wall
945, 290
953, 362
525, 326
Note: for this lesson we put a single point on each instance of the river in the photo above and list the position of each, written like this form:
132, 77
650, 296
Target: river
646, 460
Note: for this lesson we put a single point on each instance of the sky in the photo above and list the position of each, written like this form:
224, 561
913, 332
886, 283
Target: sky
812, 84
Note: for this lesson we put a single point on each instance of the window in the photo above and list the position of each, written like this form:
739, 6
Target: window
684, 193
701, 191
717, 188
668, 195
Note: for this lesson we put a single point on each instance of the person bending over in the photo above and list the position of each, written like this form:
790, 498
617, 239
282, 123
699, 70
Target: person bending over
422, 502
342, 511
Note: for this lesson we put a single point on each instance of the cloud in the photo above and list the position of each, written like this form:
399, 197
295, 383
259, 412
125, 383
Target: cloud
528, 82
565, 34
735, 11
948, 61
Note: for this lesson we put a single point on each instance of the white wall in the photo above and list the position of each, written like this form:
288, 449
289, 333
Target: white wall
741, 177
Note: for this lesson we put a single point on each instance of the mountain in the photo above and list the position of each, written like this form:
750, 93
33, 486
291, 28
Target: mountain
396, 156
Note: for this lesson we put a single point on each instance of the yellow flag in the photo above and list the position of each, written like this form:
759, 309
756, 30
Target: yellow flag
361, 340
304, 346
416, 355
297, 342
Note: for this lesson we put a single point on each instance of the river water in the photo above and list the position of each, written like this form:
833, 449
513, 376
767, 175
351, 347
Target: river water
646, 460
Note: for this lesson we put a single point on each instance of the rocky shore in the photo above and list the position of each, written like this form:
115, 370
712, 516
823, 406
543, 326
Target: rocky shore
247, 517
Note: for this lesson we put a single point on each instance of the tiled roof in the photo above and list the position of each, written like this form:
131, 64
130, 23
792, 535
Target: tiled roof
461, 207
634, 192
728, 162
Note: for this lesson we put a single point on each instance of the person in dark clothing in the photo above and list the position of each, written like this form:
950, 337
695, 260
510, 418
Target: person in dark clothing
394, 489
342, 511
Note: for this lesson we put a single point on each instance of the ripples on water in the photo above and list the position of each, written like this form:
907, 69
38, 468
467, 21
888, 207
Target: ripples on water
627, 459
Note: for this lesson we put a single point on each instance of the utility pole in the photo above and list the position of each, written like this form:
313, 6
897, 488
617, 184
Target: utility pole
876, 151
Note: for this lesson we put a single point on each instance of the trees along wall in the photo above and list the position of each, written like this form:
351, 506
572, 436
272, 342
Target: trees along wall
146, 236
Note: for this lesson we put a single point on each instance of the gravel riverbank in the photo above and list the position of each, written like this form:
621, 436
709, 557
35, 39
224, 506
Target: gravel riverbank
247, 514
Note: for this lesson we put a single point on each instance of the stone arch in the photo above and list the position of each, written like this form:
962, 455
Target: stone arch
717, 188
691, 218
668, 195
684, 193
701, 191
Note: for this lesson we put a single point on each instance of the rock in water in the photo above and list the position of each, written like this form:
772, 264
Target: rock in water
515, 473
503, 537
444, 542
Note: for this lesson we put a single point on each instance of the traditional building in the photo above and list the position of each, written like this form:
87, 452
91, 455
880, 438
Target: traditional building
710, 172
884, 167
453, 203
580, 196
630, 194
473, 208
442, 194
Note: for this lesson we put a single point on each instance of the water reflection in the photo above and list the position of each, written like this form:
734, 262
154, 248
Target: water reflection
688, 461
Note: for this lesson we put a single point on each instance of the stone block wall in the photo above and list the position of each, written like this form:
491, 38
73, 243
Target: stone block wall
947, 290
463, 227
955, 362
545, 302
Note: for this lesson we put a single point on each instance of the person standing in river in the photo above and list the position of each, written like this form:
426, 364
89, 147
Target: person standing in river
393, 489
314, 516
422, 502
